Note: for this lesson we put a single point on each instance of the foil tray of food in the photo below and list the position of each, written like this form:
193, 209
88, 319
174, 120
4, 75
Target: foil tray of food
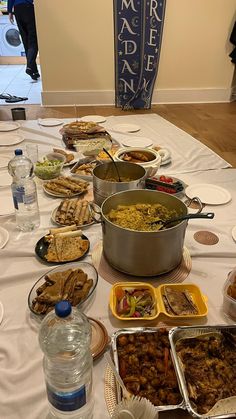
143, 359
205, 362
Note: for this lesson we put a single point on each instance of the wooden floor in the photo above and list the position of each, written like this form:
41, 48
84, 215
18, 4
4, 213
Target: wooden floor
213, 124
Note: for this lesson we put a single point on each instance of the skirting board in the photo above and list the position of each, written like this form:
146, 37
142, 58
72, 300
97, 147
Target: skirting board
161, 96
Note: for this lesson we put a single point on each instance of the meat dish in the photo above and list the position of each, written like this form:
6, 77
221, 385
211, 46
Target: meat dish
209, 365
146, 368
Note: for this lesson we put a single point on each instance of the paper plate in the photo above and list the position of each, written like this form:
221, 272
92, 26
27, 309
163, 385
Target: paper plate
9, 126
10, 139
49, 122
93, 118
99, 339
1, 312
234, 233
126, 128
4, 161
208, 193
137, 142
5, 179
4, 237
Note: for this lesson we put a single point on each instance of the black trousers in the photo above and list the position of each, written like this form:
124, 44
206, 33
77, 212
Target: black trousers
25, 19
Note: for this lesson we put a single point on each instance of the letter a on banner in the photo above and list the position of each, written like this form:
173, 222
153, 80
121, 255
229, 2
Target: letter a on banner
138, 34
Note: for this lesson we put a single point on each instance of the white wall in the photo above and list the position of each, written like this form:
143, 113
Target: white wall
77, 51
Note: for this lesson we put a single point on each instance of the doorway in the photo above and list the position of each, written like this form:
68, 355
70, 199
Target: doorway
13, 79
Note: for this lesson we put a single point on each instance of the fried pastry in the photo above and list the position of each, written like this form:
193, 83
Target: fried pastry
66, 186
72, 285
69, 156
73, 211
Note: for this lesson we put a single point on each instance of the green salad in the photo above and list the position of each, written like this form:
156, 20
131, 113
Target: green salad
48, 169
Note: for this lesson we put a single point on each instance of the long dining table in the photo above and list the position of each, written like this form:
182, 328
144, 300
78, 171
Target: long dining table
22, 386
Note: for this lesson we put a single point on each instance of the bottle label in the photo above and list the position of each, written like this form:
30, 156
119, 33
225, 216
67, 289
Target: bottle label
18, 196
67, 401
30, 198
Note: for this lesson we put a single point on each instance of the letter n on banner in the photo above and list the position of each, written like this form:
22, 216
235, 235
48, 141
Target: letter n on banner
138, 33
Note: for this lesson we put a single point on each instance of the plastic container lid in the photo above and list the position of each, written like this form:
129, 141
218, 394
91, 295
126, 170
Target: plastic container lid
18, 152
63, 308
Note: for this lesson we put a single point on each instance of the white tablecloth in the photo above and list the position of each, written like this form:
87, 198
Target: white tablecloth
22, 389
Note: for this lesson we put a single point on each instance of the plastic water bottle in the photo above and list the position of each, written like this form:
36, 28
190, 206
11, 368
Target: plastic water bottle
64, 337
24, 192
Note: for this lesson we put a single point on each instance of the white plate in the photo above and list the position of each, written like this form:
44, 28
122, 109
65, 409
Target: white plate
53, 217
9, 126
93, 118
5, 179
137, 142
208, 193
125, 128
50, 122
1, 312
167, 161
4, 161
59, 195
10, 139
72, 162
6, 204
234, 233
4, 237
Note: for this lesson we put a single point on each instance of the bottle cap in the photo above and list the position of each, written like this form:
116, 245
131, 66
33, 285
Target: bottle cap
18, 152
63, 308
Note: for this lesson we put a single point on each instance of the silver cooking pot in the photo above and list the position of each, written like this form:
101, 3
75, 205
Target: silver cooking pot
103, 188
143, 253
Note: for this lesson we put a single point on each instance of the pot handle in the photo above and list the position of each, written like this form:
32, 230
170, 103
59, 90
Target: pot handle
95, 212
199, 202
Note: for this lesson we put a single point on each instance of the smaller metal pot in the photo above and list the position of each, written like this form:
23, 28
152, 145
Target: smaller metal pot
103, 188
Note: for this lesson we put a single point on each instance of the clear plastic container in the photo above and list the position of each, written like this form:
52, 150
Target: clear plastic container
24, 192
229, 291
64, 337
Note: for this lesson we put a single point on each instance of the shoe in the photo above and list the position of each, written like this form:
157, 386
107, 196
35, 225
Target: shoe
33, 76
15, 99
11, 99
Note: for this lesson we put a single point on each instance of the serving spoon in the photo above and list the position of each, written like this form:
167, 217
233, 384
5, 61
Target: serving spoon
163, 224
117, 171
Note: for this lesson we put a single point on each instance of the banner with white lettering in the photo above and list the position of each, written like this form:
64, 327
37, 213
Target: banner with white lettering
138, 32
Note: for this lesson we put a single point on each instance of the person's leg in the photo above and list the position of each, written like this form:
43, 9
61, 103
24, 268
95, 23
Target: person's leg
21, 26
25, 19
32, 39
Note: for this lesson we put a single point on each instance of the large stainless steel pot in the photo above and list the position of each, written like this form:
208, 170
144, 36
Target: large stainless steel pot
143, 253
103, 188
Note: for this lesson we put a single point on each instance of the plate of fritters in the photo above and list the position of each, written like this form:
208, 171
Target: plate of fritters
65, 187
70, 156
84, 168
75, 211
76, 282
62, 245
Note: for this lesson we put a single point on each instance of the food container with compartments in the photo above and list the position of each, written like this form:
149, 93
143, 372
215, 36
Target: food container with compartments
226, 335
153, 298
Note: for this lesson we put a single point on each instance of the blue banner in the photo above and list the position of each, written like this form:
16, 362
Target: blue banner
138, 33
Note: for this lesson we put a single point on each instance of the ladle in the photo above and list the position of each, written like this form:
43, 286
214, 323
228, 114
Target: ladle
163, 224
117, 171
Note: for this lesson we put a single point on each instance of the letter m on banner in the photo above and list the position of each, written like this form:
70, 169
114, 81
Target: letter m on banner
138, 33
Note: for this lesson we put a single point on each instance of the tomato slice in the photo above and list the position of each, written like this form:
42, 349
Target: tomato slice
120, 293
